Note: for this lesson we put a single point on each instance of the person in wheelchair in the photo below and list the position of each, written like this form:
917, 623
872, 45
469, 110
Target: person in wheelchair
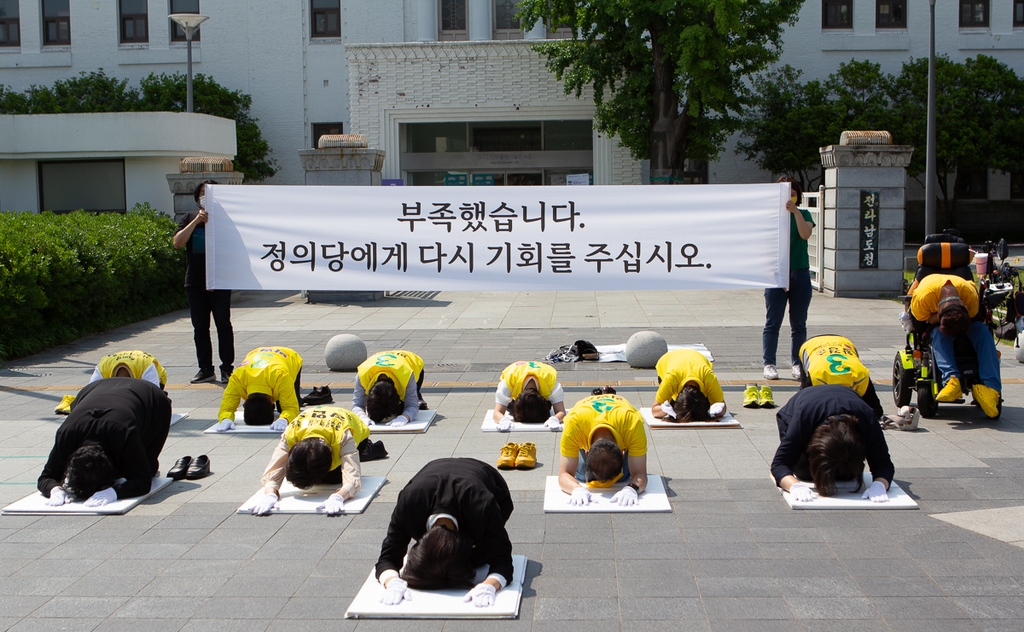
832, 359
949, 303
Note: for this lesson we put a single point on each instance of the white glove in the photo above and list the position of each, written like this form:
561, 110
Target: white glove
505, 424
905, 320
554, 423
626, 497
581, 497
334, 505
224, 426
482, 595
876, 493
398, 421
666, 407
802, 492
57, 497
101, 498
717, 409
366, 419
397, 591
264, 505
279, 424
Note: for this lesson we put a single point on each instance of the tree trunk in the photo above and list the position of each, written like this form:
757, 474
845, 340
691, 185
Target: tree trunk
668, 126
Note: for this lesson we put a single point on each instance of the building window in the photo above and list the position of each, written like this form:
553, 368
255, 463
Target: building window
837, 14
453, 19
973, 13
1018, 13
134, 21
56, 22
183, 6
10, 31
95, 185
505, 15
890, 14
323, 129
972, 184
326, 18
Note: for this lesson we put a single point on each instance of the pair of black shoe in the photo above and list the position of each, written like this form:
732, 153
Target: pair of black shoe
321, 395
607, 390
187, 467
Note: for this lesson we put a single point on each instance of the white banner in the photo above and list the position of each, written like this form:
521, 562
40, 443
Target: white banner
497, 238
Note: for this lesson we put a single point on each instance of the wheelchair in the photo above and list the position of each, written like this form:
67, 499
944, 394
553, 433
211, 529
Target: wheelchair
914, 369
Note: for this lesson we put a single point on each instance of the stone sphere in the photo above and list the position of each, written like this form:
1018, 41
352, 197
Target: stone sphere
344, 352
644, 349
1018, 349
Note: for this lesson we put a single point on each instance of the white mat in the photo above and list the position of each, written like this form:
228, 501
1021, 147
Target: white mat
175, 418
298, 501
423, 420
727, 421
617, 353
35, 504
898, 499
440, 604
654, 499
242, 428
489, 425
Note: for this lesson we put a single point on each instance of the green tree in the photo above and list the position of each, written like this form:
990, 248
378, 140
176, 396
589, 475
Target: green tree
667, 75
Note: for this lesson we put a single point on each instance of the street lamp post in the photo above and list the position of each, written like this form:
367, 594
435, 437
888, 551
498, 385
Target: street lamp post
930, 182
190, 23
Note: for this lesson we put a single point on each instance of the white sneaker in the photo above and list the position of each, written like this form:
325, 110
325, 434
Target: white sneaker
797, 372
770, 372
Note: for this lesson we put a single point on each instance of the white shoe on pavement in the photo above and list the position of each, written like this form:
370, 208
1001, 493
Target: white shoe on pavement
770, 372
797, 372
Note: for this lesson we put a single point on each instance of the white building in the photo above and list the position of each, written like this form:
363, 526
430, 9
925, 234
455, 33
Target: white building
444, 86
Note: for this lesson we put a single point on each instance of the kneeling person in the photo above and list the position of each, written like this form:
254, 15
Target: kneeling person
529, 392
831, 359
387, 388
688, 389
137, 364
455, 510
603, 441
321, 445
825, 434
116, 429
268, 375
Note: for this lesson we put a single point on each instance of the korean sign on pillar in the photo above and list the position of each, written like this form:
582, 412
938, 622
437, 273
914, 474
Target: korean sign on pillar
497, 238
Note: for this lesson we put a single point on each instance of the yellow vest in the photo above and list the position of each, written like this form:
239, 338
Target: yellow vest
834, 360
136, 361
603, 411
400, 366
328, 423
681, 366
263, 357
515, 375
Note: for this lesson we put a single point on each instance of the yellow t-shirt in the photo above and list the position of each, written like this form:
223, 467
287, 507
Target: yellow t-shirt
603, 411
925, 301
269, 371
136, 361
677, 368
400, 366
328, 423
515, 375
834, 360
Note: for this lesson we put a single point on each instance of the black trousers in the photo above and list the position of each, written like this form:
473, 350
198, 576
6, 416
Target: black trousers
201, 305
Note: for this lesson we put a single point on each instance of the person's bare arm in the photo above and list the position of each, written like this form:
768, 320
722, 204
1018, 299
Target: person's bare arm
802, 225
567, 474
182, 236
638, 471
499, 412
559, 408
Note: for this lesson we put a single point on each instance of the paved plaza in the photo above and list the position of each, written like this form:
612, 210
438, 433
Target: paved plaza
730, 556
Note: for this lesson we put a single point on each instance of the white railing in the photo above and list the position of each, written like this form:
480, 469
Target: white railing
816, 242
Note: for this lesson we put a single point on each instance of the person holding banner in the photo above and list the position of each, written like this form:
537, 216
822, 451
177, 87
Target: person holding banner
529, 393
318, 446
387, 388
268, 375
798, 296
202, 302
603, 442
687, 388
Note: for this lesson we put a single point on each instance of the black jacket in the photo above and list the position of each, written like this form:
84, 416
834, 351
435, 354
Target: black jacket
129, 418
471, 491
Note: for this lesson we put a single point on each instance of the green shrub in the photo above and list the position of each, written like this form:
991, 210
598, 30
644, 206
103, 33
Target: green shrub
67, 276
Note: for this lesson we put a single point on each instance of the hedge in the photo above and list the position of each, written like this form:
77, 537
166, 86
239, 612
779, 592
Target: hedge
70, 275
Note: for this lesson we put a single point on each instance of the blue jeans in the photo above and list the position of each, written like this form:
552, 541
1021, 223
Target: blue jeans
799, 298
581, 467
988, 358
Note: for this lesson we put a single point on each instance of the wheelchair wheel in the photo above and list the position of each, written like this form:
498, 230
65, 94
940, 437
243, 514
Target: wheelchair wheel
926, 401
902, 385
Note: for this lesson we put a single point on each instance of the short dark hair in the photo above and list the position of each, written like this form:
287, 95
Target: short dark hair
196, 192
442, 558
836, 453
531, 407
692, 405
383, 401
89, 470
308, 463
258, 409
953, 320
604, 460
794, 186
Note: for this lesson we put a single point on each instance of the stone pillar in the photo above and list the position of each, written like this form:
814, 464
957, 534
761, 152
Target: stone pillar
192, 171
426, 20
538, 32
862, 232
481, 20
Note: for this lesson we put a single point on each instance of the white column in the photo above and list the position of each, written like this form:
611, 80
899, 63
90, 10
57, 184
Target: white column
480, 15
539, 32
426, 20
